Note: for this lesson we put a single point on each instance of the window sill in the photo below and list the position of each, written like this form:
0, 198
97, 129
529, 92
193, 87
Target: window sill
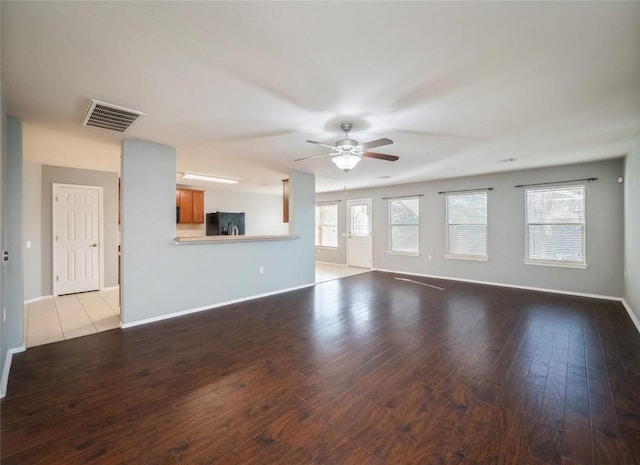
465, 257
326, 247
577, 266
406, 254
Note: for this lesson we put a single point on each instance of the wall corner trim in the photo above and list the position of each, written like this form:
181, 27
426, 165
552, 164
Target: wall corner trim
632, 315
7, 367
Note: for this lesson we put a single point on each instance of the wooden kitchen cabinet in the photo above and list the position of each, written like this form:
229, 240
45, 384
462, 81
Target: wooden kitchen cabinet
285, 200
198, 206
190, 204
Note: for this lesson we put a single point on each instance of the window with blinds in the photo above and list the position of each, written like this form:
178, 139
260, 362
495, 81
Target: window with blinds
404, 225
555, 229
327, 225
466, 225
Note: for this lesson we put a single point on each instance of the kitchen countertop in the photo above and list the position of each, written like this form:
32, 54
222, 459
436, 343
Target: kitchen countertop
217, 239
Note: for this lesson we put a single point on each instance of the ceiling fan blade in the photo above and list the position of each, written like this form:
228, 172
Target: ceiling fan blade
315, 156
375, 143
321, 143
380, 156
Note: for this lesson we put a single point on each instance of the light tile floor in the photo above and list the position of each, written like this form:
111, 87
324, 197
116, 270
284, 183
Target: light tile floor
68, 316
329, 271
57, 318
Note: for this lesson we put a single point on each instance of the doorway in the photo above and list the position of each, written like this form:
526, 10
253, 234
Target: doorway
359, 236
77, 238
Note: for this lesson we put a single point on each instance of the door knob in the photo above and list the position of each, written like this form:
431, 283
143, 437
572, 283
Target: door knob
93, 245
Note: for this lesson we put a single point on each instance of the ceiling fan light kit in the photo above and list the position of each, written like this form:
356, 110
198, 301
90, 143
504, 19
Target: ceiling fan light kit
347, 153
346, 161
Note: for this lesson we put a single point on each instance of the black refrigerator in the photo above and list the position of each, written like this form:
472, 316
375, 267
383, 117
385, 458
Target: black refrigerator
225, 224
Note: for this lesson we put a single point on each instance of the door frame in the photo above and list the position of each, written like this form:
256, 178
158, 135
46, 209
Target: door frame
348, 228
54, 254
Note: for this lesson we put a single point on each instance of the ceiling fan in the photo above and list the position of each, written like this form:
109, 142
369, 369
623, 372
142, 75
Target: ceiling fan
348, 152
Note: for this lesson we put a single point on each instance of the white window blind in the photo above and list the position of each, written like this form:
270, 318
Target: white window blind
467, 225
327, 225
555, 232
404, 224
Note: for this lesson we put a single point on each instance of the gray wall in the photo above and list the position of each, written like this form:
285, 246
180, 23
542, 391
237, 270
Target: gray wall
13, 230
604, 234
632, 228
4, 346
160, 277
109, 181
32, 229
11, 332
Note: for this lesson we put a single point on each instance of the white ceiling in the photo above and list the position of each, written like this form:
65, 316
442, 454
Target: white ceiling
237, 87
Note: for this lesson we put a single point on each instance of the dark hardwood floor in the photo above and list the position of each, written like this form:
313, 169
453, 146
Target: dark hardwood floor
362, 370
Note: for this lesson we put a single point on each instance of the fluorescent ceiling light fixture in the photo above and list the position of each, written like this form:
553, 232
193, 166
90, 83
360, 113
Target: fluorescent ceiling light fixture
346, 161
202, 177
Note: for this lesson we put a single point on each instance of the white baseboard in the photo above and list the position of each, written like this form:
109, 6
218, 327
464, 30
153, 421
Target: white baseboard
4, 381
110, 288
514, 286
632, 315
37, 299
206, 307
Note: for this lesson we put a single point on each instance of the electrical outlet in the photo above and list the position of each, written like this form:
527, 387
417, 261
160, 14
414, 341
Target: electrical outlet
261, 270
429, 257
28, 244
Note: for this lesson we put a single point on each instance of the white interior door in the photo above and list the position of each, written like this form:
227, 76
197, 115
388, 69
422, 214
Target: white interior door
359, 238
77, 233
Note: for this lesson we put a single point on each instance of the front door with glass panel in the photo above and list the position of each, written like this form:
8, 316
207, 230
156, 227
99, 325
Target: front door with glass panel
359, 238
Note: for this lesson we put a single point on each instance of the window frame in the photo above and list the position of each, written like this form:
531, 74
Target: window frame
391, 225
318, 234
556, 263
456, 256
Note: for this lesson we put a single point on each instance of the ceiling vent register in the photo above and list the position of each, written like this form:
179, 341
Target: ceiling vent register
109, 116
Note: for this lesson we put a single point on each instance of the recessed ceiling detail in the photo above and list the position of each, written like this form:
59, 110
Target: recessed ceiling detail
109, 116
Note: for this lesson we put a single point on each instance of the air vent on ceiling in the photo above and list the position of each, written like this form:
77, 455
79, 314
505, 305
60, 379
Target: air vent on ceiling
109, 116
